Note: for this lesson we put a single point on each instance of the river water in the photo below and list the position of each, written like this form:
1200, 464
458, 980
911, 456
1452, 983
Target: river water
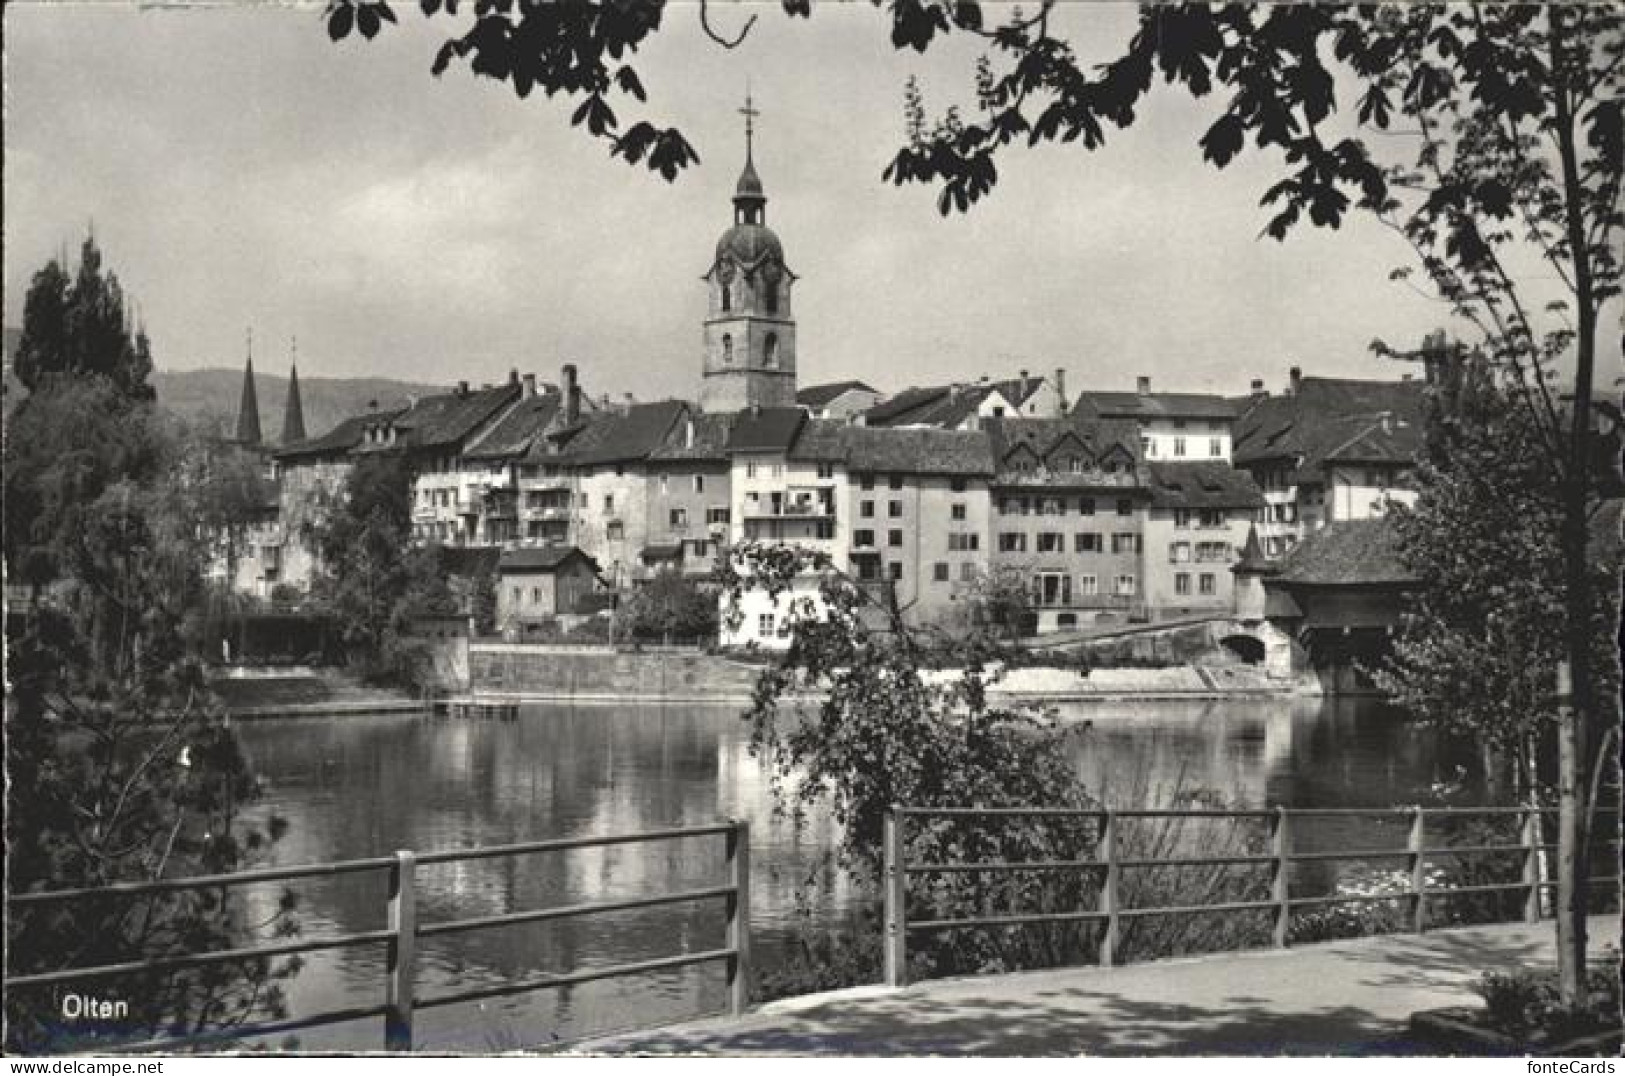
358, 786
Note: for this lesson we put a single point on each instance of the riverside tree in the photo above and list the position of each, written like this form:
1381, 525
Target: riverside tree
1477, 132
885, 730
672, 607
120, 767
1476, 651
374, 579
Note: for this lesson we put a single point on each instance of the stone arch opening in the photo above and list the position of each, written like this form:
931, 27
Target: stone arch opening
1248, 648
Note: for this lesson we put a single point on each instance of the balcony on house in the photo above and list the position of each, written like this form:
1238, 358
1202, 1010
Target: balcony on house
797, 502
501, 503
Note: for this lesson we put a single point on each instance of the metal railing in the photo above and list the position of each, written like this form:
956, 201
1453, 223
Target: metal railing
400, 937
1111, 865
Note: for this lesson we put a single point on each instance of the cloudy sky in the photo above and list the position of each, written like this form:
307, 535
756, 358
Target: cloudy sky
242, 170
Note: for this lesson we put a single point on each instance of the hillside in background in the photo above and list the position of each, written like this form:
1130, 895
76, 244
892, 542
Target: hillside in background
211, 396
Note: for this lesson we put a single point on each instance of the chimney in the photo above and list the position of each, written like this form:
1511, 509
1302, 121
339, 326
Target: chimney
1387, 422
1023, 380
955, 390
1294, 380
462, 388
1258, 387
1406, 376
530, 385
982, 380
1142, 385
513, 375
572, 395
1060, 386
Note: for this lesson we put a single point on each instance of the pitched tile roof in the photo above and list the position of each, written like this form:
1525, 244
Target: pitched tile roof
1154, 405
710, 443
821, 395
445, 420
821, 440
472, 560
1018, 390
1354, 552
918, 451
546, 558
1202, 485
765, 429
1043, 436
623, 435
947, 406
516, 429
910, 405
338, 441
1325, 415
1280, 605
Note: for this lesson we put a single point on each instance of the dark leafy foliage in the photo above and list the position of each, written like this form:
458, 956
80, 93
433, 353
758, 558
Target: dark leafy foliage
78, 325
670, 607
879, 730
1489, 623
374, 580
578, 50
1527, 1003
120, 767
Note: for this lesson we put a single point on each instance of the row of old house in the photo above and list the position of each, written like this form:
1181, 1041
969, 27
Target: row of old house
1106, 506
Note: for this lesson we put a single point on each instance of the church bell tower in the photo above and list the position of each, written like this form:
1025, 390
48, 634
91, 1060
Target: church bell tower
750, 328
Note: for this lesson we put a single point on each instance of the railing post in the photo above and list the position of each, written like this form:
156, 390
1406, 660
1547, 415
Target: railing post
1417, 847
1109, 892
738, 855
1531, 865
1280, 890
896, 914
402, 952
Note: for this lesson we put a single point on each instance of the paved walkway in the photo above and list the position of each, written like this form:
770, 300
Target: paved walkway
1351, 997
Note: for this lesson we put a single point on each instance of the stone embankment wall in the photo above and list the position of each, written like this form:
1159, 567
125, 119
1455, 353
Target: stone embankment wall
538, 670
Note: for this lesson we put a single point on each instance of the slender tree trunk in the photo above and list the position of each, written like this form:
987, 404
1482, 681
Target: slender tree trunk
1495, 773
1576, 712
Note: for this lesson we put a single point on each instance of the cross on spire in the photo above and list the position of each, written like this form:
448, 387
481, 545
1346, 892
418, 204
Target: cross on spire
750, 114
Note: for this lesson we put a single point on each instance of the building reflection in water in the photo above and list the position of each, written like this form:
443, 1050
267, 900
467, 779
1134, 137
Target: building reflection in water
357, 787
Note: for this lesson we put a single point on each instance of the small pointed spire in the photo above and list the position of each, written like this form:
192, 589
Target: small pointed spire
749, 201
1252, 555
248, 408
293, 415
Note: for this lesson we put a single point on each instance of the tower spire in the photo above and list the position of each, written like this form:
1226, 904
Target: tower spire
248, 408
750, 204
293, 414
